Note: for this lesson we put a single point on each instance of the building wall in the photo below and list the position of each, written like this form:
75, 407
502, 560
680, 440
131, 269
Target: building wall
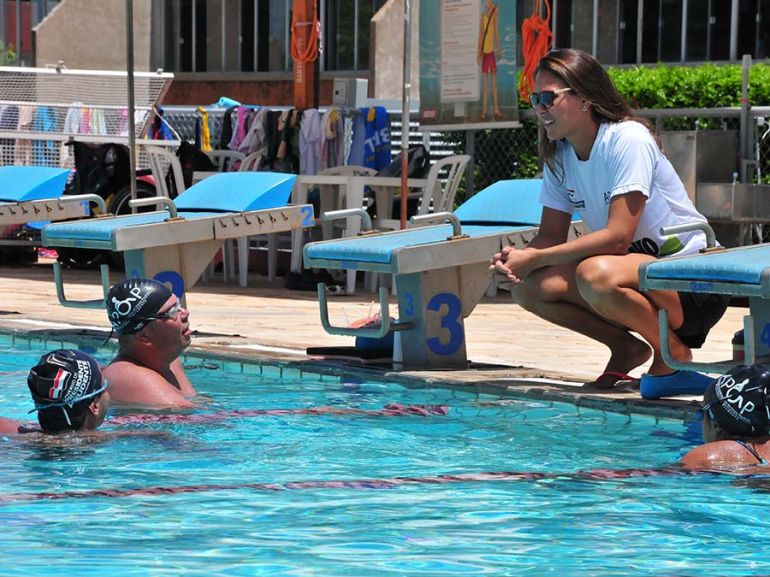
96, 41
387, 51
193, 90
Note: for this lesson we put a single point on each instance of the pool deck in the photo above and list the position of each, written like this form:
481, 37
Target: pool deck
508, 347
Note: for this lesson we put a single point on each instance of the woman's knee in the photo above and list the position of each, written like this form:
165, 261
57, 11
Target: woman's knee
538, 288
596, 276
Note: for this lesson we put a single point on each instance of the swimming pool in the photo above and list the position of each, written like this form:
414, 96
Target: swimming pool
278, 491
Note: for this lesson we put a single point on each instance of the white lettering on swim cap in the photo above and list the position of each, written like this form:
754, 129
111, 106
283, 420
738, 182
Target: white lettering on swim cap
123, 308
745, 408
80, 382
736, 386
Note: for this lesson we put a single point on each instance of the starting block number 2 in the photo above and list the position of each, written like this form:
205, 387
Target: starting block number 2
307, 216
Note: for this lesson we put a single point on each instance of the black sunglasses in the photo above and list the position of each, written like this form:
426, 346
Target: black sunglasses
546, 98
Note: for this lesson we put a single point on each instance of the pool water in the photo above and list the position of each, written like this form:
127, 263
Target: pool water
271, 492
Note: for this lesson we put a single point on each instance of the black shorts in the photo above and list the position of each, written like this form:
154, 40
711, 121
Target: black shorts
701, 312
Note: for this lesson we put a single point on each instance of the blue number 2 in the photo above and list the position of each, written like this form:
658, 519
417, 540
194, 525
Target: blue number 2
307, 215
449, 321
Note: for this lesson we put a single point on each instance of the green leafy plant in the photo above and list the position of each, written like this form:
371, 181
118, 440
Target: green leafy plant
8, 54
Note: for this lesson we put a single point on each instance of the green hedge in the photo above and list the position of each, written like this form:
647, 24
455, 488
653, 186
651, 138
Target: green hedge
704, 86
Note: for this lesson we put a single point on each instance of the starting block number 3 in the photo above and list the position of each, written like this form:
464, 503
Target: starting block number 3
451, 321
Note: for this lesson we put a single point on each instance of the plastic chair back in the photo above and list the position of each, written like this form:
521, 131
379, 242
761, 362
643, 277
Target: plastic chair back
160, 158
438, 194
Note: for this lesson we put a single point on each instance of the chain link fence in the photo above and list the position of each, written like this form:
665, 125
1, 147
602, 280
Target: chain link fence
496, 154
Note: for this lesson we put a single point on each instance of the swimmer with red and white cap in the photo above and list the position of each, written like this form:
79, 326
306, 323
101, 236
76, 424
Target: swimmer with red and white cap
153, 332
69, 392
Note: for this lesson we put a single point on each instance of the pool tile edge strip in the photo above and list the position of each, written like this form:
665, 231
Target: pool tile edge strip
468, 379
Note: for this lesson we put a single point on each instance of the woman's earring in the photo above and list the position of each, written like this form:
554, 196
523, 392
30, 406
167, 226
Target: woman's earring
584, 108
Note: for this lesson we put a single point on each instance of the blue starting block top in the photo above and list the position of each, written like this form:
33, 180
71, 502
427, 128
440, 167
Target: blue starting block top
741, 271
743, 265
504, 202
503, 207
27, 183
233, 192
237, 192
381, 248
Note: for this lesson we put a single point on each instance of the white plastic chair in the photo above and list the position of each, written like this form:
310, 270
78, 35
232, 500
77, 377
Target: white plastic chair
339, 201
439, 192
160, 160
252, 162
438, 196
225, 159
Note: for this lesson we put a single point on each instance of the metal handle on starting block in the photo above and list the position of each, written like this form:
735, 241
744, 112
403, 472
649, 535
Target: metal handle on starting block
366, 220
449, 217
163, 201
95, 198
711, 238
374, 333
93, 304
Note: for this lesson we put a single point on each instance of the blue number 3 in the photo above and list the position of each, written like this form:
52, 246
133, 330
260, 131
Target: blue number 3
449, 321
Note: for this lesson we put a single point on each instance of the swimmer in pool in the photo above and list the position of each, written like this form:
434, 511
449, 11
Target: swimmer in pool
736, 421
69, 392
153, 332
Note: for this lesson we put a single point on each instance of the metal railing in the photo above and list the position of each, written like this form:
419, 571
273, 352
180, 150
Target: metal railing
512, 153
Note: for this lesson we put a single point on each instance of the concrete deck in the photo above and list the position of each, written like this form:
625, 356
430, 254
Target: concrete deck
509, 348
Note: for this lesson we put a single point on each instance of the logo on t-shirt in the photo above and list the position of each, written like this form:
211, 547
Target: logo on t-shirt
607, 197
577, 204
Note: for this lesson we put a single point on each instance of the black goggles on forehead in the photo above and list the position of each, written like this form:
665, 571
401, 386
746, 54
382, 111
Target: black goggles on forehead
546, 98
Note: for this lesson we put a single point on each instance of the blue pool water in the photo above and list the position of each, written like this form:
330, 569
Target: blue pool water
256, 494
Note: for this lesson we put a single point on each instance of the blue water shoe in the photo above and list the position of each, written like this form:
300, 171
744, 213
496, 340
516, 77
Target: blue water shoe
677, 383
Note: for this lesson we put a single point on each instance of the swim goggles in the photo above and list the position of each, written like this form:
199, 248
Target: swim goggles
546, 98
169, 314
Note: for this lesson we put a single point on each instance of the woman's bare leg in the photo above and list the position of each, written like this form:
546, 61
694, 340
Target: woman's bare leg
610, 284
552, 294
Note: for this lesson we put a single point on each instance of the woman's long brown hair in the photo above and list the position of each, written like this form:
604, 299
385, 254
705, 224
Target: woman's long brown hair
588, 79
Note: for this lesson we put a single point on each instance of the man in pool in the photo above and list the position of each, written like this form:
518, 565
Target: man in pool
736, 421
69, 392
153, 332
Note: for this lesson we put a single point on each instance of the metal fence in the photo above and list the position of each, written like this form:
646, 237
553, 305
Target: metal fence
512, 153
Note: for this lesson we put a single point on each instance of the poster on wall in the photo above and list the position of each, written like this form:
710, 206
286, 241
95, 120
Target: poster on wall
468, 64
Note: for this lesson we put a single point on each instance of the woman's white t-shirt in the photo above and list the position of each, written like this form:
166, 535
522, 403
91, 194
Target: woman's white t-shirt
625, 158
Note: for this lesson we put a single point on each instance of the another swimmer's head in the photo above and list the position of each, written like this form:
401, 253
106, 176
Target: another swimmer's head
69, 391
737, 404
133, 303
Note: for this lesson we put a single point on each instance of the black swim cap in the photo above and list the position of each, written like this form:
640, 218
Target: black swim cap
64, 377
739, 401
131, 304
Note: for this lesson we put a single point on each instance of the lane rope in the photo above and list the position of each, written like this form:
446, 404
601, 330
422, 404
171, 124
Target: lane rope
375, 484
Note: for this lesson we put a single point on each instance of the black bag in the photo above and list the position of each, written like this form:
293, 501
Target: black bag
418, 163
100, 168
191, 160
